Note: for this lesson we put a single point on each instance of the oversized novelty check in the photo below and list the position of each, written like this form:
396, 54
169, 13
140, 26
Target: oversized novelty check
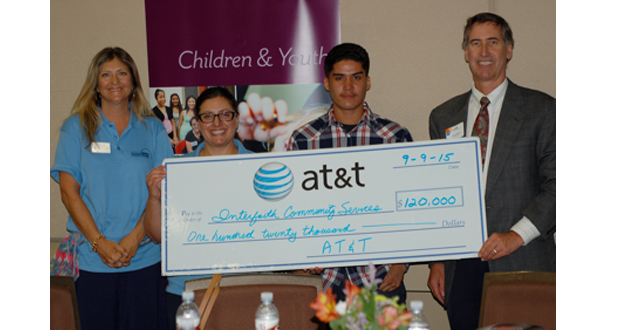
394, 203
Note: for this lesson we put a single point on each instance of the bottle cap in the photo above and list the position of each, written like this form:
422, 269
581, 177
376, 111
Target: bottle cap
266, 296
188, 295
416, 305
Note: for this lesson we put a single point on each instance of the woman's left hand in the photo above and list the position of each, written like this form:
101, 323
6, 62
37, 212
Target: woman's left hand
130, 243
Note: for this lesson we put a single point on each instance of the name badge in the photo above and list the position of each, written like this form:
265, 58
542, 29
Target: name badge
100, 147
456, 132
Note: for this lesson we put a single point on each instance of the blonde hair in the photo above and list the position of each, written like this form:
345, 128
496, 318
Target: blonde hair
86, 105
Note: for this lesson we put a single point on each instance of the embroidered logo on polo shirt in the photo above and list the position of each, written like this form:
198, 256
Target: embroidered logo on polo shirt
146, 153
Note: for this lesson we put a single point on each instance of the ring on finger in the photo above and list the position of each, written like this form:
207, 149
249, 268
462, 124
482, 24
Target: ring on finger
494, 251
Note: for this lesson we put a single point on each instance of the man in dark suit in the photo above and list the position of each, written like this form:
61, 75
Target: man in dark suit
516, 127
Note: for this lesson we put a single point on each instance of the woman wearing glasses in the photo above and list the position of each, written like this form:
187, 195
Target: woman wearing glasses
218, 122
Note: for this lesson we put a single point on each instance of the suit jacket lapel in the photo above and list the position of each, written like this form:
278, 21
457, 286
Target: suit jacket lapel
508, 126
459, 114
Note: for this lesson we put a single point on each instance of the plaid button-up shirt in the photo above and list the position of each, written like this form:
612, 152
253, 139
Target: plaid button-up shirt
326, 132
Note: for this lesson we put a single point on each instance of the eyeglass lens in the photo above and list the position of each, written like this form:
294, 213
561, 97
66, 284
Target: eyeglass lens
209, 117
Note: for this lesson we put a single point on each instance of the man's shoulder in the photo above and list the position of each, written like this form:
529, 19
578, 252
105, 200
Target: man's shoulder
382, 121
310, 129
453, 104
532, 95
528, 102
384, 126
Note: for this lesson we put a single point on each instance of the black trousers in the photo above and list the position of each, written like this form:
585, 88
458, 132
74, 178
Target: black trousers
173, 302
466, 294
124, 301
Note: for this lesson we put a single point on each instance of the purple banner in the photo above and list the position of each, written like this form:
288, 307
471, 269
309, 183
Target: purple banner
239, 42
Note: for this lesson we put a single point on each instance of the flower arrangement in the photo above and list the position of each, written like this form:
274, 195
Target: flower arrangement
363, 309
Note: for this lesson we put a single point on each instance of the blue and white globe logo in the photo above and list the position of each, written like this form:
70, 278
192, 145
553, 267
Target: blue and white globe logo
273, 181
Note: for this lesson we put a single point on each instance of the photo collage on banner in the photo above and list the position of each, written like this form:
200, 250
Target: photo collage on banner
269, 54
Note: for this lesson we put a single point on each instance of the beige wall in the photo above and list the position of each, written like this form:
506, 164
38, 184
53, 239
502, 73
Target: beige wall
414, 45
416, 60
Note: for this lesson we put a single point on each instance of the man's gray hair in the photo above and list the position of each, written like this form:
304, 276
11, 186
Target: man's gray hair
489, 17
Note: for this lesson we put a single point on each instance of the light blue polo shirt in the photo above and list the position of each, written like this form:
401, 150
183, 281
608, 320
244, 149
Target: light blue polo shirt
176, 284
112, 178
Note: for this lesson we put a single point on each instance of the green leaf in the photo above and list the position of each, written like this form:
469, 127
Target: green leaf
338, 324
374, 326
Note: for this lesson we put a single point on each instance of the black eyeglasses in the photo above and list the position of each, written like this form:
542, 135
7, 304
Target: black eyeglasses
209, 117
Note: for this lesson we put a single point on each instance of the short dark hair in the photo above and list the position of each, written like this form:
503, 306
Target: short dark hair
347, 51
488, 17
213, 92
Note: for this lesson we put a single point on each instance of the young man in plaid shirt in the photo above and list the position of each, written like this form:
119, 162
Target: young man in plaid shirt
350, 122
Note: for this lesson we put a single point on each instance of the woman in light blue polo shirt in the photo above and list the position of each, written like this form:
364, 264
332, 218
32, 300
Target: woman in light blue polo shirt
106, 149
218, 122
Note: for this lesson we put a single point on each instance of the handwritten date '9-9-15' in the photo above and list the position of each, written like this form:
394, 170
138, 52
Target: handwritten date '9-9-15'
423, 158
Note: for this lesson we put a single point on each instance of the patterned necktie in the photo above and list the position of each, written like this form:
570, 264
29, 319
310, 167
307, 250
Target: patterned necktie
481, 127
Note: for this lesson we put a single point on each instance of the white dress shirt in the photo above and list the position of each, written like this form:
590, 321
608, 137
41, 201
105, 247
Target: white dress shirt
524, 227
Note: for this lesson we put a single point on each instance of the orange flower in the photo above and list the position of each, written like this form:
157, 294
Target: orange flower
325, 306
390, 319
351, 291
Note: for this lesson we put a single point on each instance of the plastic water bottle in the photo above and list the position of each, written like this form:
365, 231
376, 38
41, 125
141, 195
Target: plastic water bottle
267, 316
418, 321
188, 315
